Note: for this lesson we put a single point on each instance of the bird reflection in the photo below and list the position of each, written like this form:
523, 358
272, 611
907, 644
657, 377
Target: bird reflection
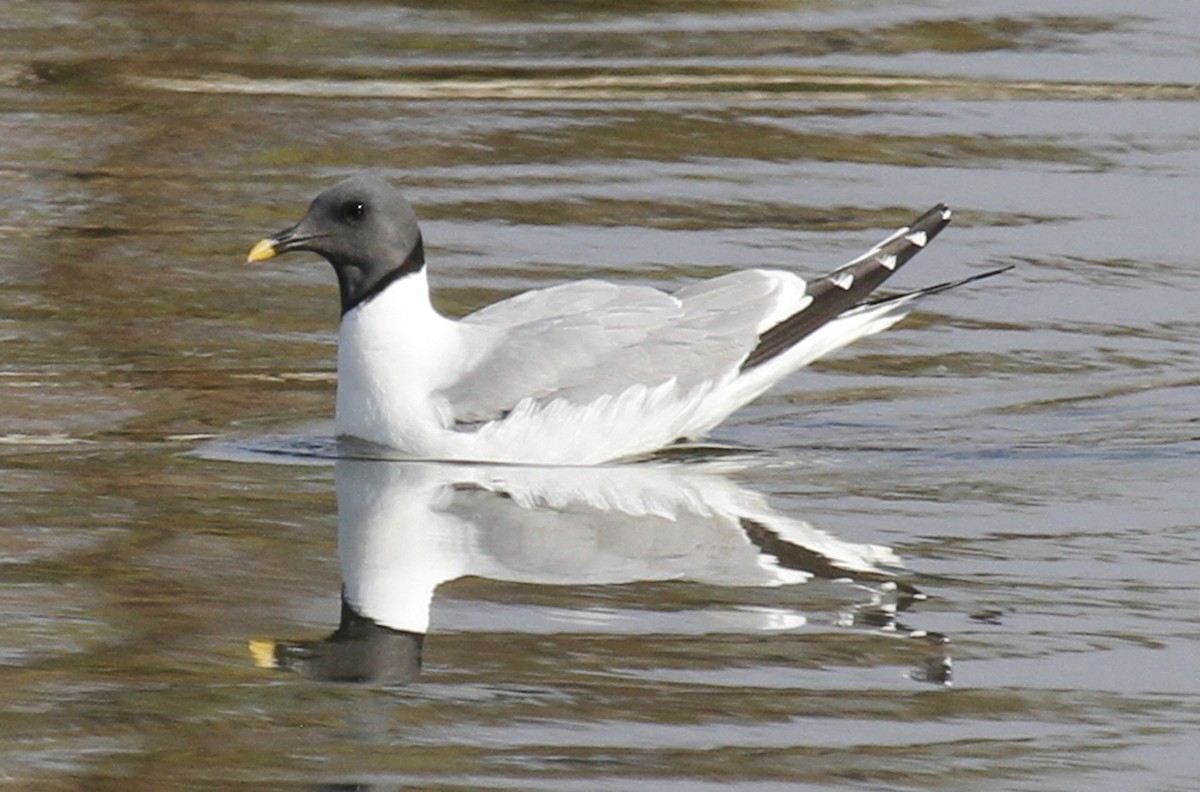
406, 527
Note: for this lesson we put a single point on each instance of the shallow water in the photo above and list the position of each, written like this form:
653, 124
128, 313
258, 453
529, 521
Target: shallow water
732, 617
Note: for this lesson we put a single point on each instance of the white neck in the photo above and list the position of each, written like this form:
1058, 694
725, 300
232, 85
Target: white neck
394, 351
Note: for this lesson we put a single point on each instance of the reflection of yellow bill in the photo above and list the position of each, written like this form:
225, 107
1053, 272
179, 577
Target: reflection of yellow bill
262, 250
263, 652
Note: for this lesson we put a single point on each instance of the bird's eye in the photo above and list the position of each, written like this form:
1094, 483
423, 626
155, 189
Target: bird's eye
354, 211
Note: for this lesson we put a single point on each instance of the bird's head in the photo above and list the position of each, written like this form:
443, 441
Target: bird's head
364, 228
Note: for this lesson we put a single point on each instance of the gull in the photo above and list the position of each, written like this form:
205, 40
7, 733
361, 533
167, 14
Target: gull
581, 373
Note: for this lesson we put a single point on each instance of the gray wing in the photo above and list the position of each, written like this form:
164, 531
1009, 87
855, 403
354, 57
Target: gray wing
583, 340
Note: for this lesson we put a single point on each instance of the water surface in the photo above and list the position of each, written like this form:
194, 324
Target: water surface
958, 555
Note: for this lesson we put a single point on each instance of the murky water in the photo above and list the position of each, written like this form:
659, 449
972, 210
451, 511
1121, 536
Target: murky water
1026, 449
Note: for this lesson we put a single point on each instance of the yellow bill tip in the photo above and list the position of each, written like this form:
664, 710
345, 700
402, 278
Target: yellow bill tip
263, 652
262, 250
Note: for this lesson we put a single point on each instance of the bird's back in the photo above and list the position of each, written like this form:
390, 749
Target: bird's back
589, 340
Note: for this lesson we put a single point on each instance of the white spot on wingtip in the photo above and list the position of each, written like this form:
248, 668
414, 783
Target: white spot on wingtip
843, 281
918, 238
888, 262
946, 213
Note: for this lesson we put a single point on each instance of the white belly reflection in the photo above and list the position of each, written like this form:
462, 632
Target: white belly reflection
405, 528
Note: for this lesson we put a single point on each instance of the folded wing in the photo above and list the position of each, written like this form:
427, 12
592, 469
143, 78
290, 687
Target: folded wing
582, 341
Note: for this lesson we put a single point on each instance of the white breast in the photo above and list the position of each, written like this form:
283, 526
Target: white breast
394, 351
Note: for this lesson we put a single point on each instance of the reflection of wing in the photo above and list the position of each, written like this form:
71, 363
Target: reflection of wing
588, 339
652, 523
406, 527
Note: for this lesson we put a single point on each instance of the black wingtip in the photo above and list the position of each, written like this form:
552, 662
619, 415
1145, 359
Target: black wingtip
850, 284
931, 224
941, 287
939, 215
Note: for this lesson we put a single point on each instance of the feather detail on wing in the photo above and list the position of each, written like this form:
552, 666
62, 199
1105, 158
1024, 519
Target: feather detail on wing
587, 340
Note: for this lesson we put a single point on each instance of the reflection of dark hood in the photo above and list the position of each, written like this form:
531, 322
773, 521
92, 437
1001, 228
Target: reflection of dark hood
360, 650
